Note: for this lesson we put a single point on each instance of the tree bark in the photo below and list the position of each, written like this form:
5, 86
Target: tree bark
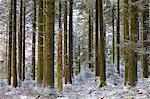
59, 53
10, 44
113, 26
145, 59
96, 41
126, 40
65, 42
102, 48
118, 39
33, 39
40, 43
14, 59
23, 41
49, 55
70, 56
133, 59
90, 41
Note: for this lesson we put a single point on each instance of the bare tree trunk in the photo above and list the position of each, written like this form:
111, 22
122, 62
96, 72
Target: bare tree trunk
133, 59
126, 40
23, 41
33, 40
113, 26
40, 43
65, 42
96, 41
118, 39
49, 43
145, 56
102, 48
20, 44
10, 43
70, 56
14, 59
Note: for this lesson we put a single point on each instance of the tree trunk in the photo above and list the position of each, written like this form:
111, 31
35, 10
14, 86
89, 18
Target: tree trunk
145, 59
10, 44
90, 43
118, 39
44, 40
33, 40
70, 56
133, 66
126, 40
14, 59
49, 54
65, 41
59, 53
40, 43
59, 62
23, 42
20, 44
96, 41
102, 48
113, 26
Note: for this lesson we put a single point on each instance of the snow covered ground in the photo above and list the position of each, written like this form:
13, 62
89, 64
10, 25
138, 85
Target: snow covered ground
85, 86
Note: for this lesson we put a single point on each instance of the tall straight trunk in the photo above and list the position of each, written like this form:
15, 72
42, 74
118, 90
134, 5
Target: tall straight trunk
96, 41
126, 40
33, 39
102, 48
59, 63
40, 43
49, 54
65, 41
59, 53
10, 44
44, 40
70, 56
14, 59
118, 39
90, 43
23, 42
20, 44
145, 59
79, 62
133, 28
92, 33
113, 27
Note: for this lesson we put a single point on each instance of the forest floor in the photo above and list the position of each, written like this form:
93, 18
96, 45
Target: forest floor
85, 86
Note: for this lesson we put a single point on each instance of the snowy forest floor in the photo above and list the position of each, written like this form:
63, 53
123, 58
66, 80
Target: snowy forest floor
85, 86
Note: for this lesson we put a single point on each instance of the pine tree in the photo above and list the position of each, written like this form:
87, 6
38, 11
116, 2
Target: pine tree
102, 48
44, 40
113, 26
23, 40
90, 40
14, 59
79, 62
59, 60
126, 40
96, 40
40, 43
145, 38
10, 44
70, 56
49, 54
133, 28
118, 39
65, 41
20, 43
33, 40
